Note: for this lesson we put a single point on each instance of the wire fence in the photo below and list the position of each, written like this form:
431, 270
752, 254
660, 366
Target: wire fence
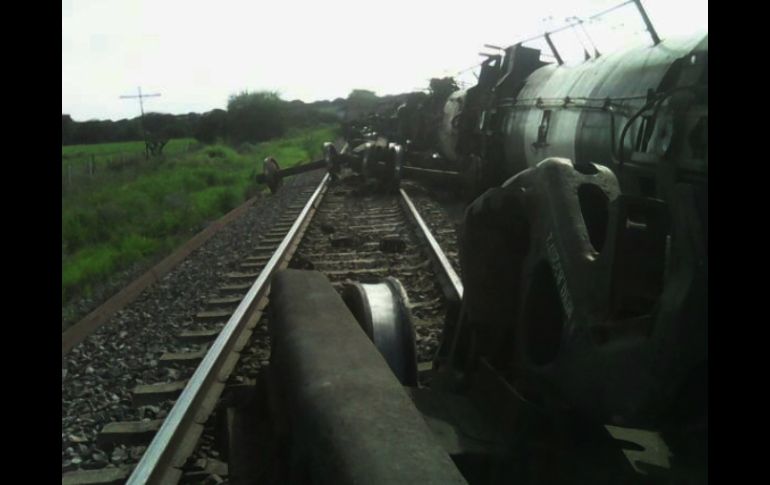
84, 170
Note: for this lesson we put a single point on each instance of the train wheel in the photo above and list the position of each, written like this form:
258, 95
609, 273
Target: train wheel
272, 173
382, 311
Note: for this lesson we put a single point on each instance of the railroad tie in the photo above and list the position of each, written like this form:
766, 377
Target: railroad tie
238, 276
182, 358
213, 315
270, 241
258, 258
148, 394
236, 288
102, 476
228, 301
130, 433
253, 264
199, 336
275, 235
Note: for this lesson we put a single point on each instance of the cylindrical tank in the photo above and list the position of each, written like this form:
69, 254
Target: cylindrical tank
448, 131
579, 112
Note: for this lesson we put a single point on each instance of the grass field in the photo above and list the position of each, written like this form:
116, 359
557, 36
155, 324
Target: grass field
143, 212
106, 152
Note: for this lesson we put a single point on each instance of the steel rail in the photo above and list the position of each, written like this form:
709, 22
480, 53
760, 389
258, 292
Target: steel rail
450, 280
159, 458
431, 171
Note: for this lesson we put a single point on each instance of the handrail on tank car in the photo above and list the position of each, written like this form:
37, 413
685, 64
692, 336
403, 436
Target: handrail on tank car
577, 22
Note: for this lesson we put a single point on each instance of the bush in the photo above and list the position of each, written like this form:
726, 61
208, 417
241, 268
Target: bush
211, 126
247, 148
218, 154
226, 201
255, 117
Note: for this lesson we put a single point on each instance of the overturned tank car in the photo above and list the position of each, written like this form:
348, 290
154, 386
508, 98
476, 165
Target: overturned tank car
579, 351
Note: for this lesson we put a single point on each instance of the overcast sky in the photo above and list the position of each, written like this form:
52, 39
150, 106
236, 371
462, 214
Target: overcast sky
197, 53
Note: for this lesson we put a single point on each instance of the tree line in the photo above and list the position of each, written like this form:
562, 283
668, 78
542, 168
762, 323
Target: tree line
250, 117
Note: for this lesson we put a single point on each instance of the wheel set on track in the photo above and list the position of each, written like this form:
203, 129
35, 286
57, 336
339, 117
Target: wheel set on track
378, 164
382, 310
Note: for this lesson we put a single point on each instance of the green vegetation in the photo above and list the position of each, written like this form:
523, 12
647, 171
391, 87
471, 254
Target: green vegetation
143, 211
104, 153
254, 117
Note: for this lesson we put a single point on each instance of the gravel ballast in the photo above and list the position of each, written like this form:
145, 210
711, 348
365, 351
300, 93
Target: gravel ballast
99, 373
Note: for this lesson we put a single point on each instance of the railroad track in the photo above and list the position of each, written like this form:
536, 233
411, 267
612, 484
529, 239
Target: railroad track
347, 234
363, 237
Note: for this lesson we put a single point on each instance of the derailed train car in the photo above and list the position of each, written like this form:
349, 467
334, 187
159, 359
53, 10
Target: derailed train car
579, 353
622, 110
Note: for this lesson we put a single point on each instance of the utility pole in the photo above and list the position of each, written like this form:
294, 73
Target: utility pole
141, 108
